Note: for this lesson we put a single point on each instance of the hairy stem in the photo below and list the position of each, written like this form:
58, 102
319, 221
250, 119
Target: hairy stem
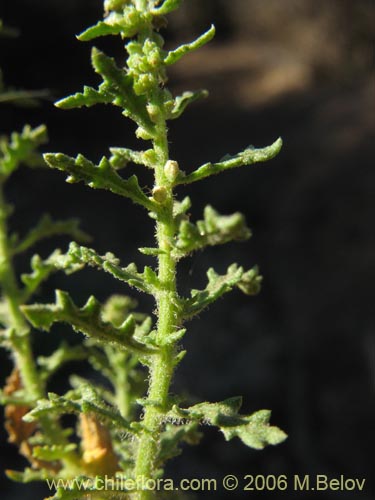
162, 367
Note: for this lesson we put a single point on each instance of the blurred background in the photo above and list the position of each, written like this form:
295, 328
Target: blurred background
305, 347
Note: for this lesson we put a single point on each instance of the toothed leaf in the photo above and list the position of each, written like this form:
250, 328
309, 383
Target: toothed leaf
218, 285
214, 229
176, 55
247, 157
86, 320
21, 149
102, 176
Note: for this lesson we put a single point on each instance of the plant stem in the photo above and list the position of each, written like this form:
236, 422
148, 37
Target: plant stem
21, 338
162, 367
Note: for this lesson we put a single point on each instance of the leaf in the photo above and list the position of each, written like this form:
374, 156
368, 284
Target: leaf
247, 157
145, 282
120, 85
176, 55
253, 430
102, 176
28, 475
102, 28
214, 229
89, 97
53, 452
218, 285
46, 228
181, 102
64, 354
42, 269
175, 435
167, 7
21, 149
86, 320
127, 22
122, 156
77, 401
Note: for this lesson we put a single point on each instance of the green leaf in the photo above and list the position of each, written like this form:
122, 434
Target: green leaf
64, 354
88, 98
47, 228
247, 157
214, 229
102, 28
28, 475
176, 55
253, 430
167, 7
42, 269
86, 320
77, 401
181, 102
102, 176
122, 156
54, 452
21, 149
145, 282
248, 282
120, 85
173, 437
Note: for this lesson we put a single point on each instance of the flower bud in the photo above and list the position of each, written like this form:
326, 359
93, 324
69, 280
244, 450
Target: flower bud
159, 194
171, 170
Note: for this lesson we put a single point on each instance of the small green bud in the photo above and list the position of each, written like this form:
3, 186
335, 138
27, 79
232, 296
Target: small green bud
144, 84
159, 194
171, 170
153, 112
142, 133
150, 157
114, 4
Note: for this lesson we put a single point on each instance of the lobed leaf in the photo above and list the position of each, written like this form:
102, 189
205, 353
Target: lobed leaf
77, 401
64, 354
102, 28
175, 55
21, 149
145, 282
248, 282
120, 85
166, 7
181, 102
214, 229
42, 269
102, 176
54, 452
47, 228
89, 97
247, 157
173, 437
86, 320
253, 430
122, 156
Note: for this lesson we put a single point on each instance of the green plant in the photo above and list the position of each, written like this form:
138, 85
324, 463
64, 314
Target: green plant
133, 429
26, 385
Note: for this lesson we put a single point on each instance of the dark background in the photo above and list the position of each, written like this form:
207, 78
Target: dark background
305, 347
